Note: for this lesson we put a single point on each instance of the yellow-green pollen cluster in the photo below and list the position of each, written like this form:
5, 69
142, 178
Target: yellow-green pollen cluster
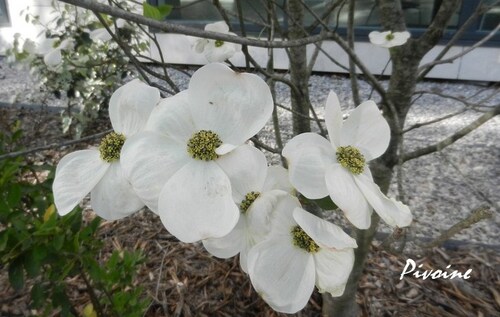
389, 37
351, 158
203, 144
110, 147
248, 201
219, 43
303, 240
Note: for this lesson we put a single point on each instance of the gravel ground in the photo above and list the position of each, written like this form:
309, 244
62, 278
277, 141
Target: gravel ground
440, 188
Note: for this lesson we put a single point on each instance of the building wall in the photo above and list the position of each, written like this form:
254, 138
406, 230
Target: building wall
482, 64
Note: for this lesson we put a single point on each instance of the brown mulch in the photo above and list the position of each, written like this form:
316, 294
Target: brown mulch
184, 280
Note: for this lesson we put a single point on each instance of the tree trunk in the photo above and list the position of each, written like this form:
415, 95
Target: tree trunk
298, 70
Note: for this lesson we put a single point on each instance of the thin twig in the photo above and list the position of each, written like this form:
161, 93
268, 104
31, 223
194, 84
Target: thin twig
54, 145
456, 136
477, 215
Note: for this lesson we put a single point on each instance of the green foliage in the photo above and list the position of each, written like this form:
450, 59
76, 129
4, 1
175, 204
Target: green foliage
157, 13
92, 67
42, 250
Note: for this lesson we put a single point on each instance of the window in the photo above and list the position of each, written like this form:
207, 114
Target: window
4, 14
418, 15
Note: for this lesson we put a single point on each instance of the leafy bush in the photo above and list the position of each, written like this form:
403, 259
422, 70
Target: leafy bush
43, 251
77, 61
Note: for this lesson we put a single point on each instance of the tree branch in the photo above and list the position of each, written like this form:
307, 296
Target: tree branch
181, 29
466, 51
450, 140
54, 145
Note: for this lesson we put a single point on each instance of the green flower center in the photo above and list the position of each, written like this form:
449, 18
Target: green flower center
389, 37
248, 201
203, 144
303, 240
219, 43
351, 158
110, 146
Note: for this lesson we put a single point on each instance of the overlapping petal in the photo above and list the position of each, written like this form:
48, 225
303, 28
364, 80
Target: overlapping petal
277, 178
246, 168
367, 130
234, 105
282, 276
347, 196
131, 105
308, 156
333, 118
196, 203
333, 269
172, 117
230, 244
324, 233
113, 197
393, 212
76, 174
149, 159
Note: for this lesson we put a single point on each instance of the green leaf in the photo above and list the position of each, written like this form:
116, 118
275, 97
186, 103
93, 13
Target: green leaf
156, 13
16, 275
4, 237
37, 295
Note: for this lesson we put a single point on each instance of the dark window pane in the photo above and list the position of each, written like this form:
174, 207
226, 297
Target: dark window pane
490, 19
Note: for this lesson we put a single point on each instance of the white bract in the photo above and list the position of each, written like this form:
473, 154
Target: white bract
216, 50
257, 194
193, 151
338, 168
99, 171
301, 251
388, 39
51, 49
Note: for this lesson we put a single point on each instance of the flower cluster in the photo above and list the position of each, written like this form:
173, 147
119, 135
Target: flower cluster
216, 50
186, 157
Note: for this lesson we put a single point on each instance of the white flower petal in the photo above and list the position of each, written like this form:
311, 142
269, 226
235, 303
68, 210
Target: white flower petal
196, 203
171, 117
148, 160
367, 130
225, 149
333, 269
260, 214
346, 195
333, 118
308, 156
234, 105
246, 168
324, 233
282, 274
378, 38
277, 178
400, 38
230, 244
67, 44
220, 27
130, 106
113, 197
46, 46
282, 217
53, 58
393, 212
76, 174
215, 53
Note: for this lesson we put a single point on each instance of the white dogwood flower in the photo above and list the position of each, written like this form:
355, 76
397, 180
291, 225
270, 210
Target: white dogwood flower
216, 50
51, 49
257, 196
99, 171
338, 168
186, 163
301, 251
389, 39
